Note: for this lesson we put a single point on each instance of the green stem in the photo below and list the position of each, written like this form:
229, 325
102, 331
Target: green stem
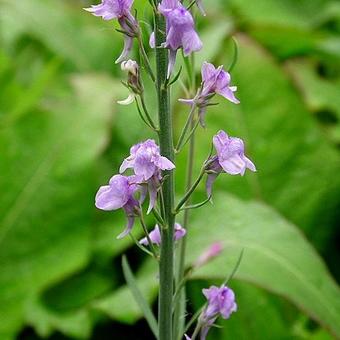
166, 267
180, 307
196, 331
185, 128
146, 112
152, 247
188, 194
145, 58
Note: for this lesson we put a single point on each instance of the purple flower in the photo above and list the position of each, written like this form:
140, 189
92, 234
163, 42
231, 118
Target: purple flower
147, 163
120, 194
221, 302
119, 9
111, 9
180, 28
230, 158
214, 80
155, 235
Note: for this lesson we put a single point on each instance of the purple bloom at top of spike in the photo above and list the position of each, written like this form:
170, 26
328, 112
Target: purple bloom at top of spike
120, 194
119, 9
146, 161
155, 235
180, 29
230, 158
111, 9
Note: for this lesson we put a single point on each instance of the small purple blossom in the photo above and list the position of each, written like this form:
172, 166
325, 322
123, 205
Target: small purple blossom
147, 163
214, 81
120, 194
111, 9
230, 158
180, 28
221, 302
213, 251
155, 235
119, 9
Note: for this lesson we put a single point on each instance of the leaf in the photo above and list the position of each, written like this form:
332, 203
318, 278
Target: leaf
276, 256
139, 298
287, 13
66, 306
211, 47
111, 305
47, 162
320, 95
74, 30
74, 323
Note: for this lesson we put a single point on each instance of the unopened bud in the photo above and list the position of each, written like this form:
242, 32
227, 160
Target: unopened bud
213, 251
130, 66
134, 81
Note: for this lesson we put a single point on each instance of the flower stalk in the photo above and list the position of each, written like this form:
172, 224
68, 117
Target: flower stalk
147, 174
166, 266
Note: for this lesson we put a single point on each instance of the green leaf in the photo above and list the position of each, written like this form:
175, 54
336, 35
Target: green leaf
47, 161
138, 296
74, 31
320, 95
288, 13
211, 47
276, 256
111, 305
75, 323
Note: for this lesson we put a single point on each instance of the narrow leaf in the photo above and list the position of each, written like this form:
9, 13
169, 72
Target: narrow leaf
142, 303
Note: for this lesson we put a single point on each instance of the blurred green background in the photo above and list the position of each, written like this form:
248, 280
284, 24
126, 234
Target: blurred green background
62, 135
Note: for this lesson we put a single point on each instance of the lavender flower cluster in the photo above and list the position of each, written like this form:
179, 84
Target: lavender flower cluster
141, 174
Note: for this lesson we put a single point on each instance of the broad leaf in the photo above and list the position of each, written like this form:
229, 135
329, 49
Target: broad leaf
46, 206
276, 256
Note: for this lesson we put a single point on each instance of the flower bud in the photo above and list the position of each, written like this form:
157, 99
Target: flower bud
134, 80
130, 66
213, 251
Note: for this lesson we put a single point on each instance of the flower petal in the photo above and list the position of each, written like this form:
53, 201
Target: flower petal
234, 165
128, 44
129, 100
164, 164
